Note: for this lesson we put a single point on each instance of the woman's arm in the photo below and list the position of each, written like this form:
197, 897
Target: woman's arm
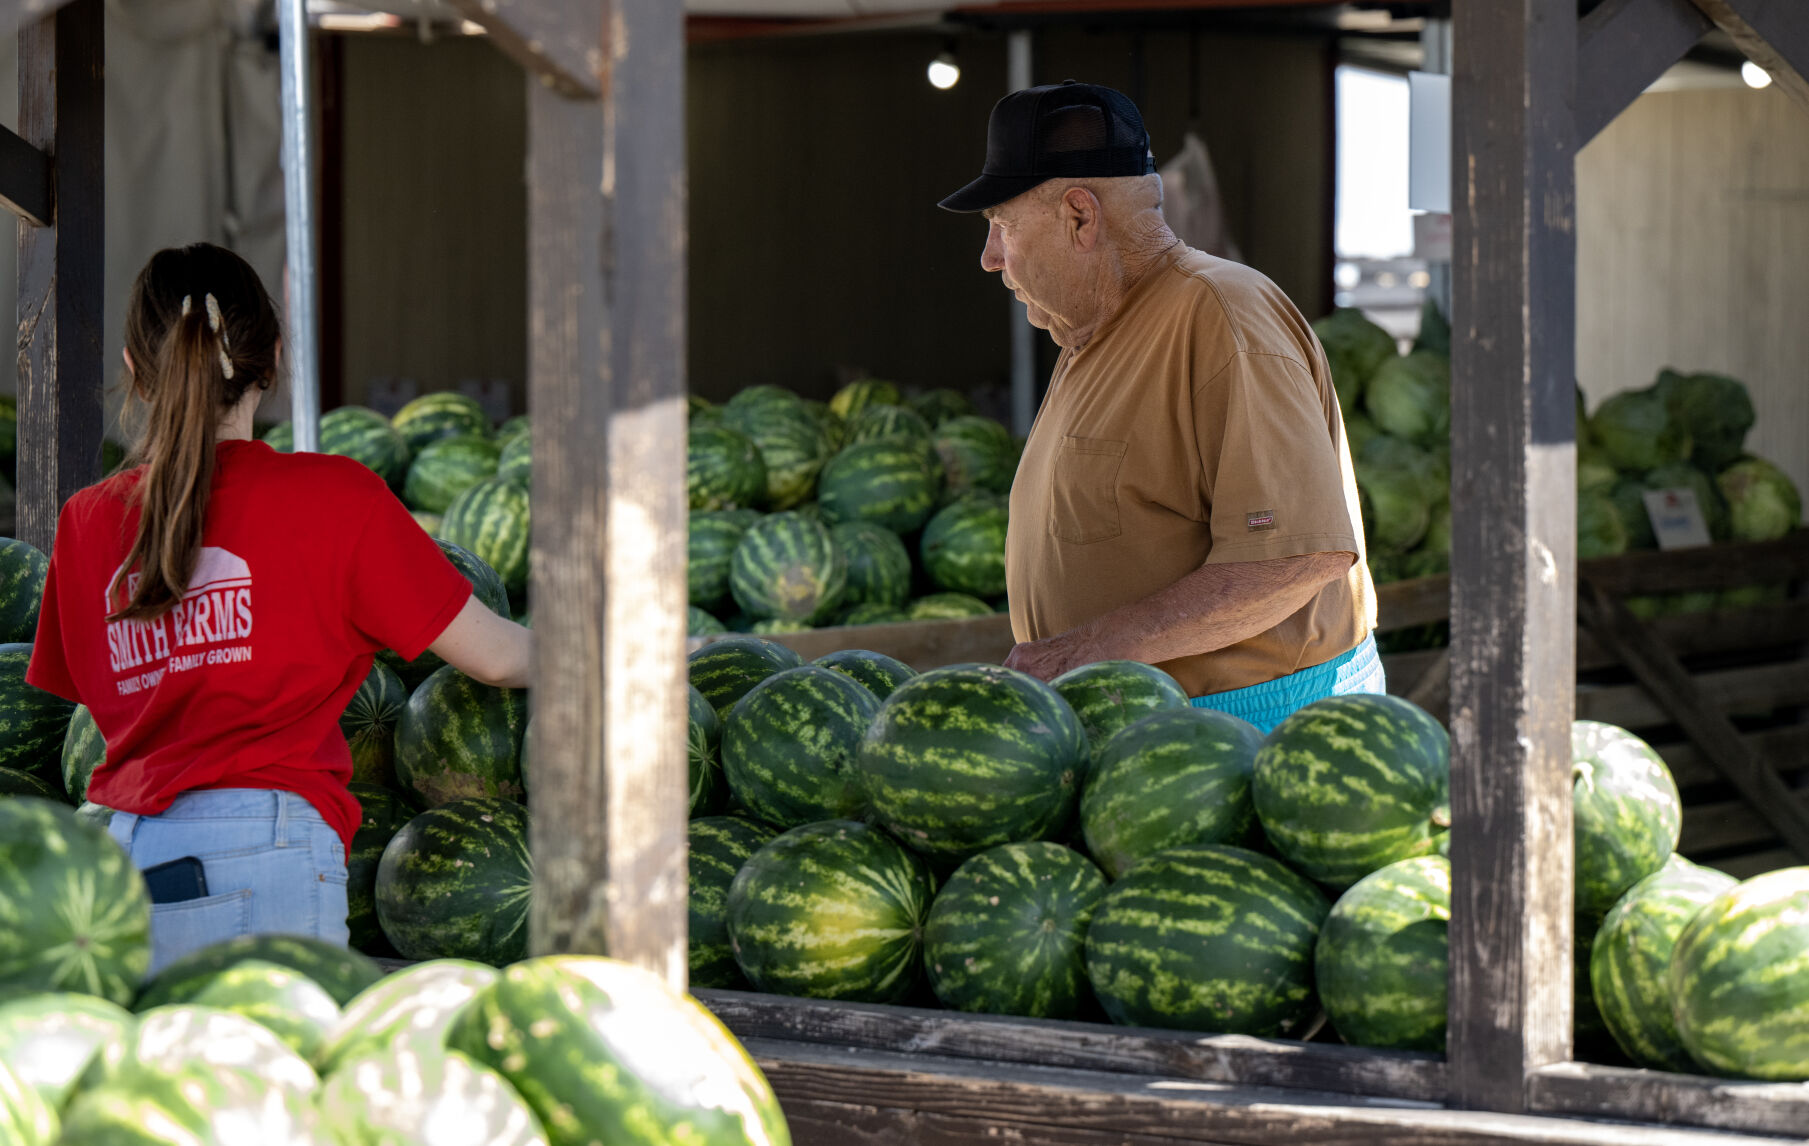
487, 648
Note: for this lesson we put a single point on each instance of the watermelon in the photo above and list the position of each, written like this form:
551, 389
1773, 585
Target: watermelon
719, 845
879, 565
448, 467
792, 447
1632, 958
833, 910
1208, 938
887, 482
15, 783
486, 586
724, 671
174, 1038
512, 428
710, 540
458, 738
383, 812
74, 913
1739, 979
26, 1118
1110, 695
95, 814
22, 572
1382, 959
455, 882
416, 1093
1173, 778
772, 626
280, 437
763, 397
861, 393
835, 431
84, 750
33, 723
606, 1052
948, 607
288, 1004
1626, 813
967, 757
491, 519
723, 468
964, 547
1007, 933
441, 414
879, 672
788, 566
1350, 784
883, 421
429, 522
873, 614
788, 746
939, 406
369, 725
339, 972
414, 1006
365, 436
703, 749
47, 1040
183, 1105
516, 462
976, 453
701, 624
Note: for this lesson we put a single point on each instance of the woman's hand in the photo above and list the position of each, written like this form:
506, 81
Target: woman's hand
487, 648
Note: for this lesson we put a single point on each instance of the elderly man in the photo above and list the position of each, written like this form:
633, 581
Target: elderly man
1186, 496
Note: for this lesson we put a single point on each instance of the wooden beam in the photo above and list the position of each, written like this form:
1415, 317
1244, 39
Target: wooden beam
25, 179
607, 319
1623, 45
1587, 1091
543, 38
1513, 551
1728, 565
1773, 34
60, 268
1670, 684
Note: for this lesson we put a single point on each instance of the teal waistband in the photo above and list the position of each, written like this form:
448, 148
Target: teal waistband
1269, 703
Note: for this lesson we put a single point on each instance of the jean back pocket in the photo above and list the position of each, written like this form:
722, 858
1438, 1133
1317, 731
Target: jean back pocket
179, 928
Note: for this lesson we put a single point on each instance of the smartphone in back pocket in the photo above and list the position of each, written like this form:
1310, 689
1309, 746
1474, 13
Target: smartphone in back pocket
177, 881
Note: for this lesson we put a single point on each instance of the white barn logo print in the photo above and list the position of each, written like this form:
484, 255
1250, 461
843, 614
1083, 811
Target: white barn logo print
209, 626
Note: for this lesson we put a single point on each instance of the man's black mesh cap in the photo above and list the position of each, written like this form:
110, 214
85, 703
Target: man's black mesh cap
1067, 130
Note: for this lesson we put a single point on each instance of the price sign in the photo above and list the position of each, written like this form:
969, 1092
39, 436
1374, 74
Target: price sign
1676, 518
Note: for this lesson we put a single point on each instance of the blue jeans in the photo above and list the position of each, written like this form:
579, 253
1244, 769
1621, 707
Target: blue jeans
272, 864
1268, 704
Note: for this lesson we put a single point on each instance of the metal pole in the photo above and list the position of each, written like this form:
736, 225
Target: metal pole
1023, 335
299, 340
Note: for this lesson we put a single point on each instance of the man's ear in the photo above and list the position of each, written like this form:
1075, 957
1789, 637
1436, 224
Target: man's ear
1083, 216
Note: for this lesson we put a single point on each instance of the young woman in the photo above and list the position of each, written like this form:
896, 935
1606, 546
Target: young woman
215, 608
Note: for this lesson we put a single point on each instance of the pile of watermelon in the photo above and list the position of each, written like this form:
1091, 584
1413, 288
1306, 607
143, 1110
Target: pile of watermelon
288, 1041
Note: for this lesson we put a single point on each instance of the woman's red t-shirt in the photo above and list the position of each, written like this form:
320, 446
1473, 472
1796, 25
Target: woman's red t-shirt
309, 565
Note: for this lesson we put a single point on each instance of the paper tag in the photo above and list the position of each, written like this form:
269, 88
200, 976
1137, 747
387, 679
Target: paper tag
1676, 518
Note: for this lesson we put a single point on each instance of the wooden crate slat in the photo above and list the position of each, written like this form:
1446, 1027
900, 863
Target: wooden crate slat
1404, 604
816, 1123
1755, 863
1587, 1090
1780, 749
1083, 1046
1728, 565
1739, 692
1730, 824
1748, 629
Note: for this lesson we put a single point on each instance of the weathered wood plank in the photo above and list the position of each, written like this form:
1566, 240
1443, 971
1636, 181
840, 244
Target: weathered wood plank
1590, 1091
1513, 551
1780, 749
1404, 604
543, 37
1729, 824
1724, 566
25, 179
1773, 34
607, 291
841, 1124
1623, 46
1755, 863
1742, 692
1431, 690
1083, 1046
60, 268
923, 645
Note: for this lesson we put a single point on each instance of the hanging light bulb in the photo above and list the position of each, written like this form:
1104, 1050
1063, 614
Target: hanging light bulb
1754, 75
944, 72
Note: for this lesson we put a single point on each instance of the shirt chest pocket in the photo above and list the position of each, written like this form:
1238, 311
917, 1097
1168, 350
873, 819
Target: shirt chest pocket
1083, 504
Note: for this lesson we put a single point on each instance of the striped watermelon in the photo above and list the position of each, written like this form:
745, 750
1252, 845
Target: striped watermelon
703, 749
873, 614
280, 437
762, 397
33, 723
491, 519
792, 447
725, 670
1110, 695
365, 436
948, 607
459, 739
723, 468
788, 566
369, 725
861, 393
92, 813
16, 783
719, 845
447, 467
1631, 960
1626, 812
1383, 954
883, 421
516, 461
486, 586
701, 624
84, 750
607, 1053
887, 482
1350, 784
1739, 979
26, 1119
283, 1001
1170, 779
831, 911
22, 572
189, 1103
424, 1094
413, 1006
47, 1040
879, 565
339, 972
454, 883
976, 453
175, 1038
968, 757
879, 672
939, 406
789, 745
710, 540
383, 812
429, 522
1208, 938
964, 547
772, 626
74, 914
512, 428
441, 414
1007, 933
835, 431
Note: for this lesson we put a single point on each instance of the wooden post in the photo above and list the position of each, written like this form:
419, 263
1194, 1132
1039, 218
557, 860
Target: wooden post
607, 320
1773, 34
60, 271
1513, 552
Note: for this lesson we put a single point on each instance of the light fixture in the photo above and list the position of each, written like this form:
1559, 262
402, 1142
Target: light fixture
944, 72
1754, 75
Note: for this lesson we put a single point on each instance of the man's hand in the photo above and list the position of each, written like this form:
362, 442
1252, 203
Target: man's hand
1052, 656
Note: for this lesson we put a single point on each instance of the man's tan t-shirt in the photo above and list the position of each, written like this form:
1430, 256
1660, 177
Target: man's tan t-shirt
1199, 425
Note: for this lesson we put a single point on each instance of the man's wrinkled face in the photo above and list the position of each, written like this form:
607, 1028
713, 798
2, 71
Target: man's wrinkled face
1025, 244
